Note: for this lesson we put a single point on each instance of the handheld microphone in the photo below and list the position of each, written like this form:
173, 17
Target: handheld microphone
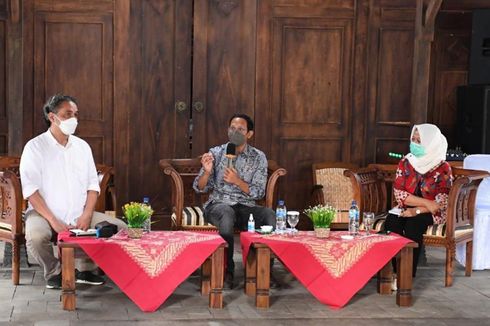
230, 154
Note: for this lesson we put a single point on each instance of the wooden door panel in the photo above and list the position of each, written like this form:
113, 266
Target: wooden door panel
160, 39
223, 78
73, 54
304, 88
3, 79
390, 48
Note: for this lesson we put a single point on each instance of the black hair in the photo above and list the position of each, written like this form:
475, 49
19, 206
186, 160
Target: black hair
250, 122
53, 105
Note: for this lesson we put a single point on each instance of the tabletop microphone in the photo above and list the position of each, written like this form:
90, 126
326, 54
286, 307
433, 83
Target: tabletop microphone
230, 154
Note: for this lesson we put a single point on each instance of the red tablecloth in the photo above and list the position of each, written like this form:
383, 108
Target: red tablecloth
332, 269
149, 269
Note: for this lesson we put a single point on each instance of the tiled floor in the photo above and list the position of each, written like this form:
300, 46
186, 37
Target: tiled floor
466, 303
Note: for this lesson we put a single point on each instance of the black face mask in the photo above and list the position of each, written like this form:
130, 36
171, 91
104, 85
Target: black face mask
236, 137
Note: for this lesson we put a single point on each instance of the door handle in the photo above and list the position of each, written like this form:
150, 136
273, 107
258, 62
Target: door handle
198, 106
180, 106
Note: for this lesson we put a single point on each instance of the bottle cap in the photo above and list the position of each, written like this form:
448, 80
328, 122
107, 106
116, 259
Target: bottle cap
251, 217
281, 202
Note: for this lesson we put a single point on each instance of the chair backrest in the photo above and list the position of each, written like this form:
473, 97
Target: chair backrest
107, 197
336, 188
10, 205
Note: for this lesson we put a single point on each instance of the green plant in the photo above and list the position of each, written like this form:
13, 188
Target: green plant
136, 214
321, 215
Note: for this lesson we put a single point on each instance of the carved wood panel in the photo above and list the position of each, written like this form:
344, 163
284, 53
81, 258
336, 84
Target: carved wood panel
391, 36
223, 76
304, 89
3, 86
73, 54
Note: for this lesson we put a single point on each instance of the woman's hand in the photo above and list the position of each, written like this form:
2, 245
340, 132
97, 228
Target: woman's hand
432, 206
409, 212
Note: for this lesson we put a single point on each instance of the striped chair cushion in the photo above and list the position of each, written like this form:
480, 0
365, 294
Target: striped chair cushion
191, 216
436, 230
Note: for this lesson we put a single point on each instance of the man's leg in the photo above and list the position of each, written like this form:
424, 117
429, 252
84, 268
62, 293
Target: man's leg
262, 215
38, 242
223, 217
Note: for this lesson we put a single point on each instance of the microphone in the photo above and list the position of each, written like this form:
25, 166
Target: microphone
230, 154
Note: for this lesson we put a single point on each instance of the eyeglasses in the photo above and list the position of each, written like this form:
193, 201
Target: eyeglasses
240, 130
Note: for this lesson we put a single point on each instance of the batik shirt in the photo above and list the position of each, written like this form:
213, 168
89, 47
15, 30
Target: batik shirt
251, 166
433, 185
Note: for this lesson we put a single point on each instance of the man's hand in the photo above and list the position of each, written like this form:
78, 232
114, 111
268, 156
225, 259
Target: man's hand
409, 212
83, 222
59, 226
432, 206
207, 162
231, 176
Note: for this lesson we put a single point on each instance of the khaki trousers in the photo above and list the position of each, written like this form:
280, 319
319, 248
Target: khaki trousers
39, 240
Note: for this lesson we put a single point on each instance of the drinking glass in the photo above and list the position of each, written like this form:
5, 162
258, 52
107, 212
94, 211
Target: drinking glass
293, 219
368, 219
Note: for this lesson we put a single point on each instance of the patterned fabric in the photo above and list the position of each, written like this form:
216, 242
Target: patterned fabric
436, 230
191, 216
149, 269
251, 165
332, 269
433, 185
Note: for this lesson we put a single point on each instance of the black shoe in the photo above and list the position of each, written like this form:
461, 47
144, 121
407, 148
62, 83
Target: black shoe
229, 284
88, 277
54, 282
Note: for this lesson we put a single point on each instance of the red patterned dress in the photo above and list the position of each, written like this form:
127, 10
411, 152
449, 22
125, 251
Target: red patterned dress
433, 185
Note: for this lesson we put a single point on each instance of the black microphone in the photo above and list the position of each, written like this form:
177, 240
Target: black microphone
230, 154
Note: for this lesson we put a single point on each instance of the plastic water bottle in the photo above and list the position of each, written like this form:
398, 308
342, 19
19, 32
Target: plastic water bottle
147, 225
354, 218
251, 224
281, 217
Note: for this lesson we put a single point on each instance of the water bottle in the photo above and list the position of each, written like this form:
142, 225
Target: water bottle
354, 218
251, 224
147, 225
281, 217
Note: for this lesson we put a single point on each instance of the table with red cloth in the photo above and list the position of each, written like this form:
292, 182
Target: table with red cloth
149, 269
332, 269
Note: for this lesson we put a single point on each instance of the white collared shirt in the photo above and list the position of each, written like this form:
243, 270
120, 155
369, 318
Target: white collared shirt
61, 174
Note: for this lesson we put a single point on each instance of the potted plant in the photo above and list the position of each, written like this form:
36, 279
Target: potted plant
321, 216
136, 215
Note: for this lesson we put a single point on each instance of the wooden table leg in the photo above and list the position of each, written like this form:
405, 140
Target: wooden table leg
385, 276
404, 277
263, 277
206, 277
251, 273
217, 278
68, 297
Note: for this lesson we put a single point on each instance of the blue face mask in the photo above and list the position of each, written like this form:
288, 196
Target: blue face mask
417, 150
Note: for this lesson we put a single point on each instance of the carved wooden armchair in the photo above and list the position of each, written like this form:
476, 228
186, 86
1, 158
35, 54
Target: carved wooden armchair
331, 187
11, 228
370, 189
187, 213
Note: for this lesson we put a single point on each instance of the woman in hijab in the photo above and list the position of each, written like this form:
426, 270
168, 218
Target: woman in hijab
421, 186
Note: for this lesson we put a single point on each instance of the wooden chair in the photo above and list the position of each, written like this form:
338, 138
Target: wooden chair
370, 189
11, 227
12, 230
187, 211
331, 187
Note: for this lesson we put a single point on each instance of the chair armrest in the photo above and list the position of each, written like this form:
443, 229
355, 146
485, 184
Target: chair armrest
177, 190
277, 172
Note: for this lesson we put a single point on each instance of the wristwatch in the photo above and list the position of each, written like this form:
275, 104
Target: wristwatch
417, 211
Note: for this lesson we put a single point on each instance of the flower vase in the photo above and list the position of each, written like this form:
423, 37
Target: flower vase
135, 233
322, 232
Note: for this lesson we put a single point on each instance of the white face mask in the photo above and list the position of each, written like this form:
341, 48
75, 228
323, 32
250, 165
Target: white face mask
68, 126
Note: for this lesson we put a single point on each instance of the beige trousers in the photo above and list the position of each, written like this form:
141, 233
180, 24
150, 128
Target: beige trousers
39, 240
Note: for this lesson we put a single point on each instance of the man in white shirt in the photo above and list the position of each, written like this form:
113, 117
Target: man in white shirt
60, 182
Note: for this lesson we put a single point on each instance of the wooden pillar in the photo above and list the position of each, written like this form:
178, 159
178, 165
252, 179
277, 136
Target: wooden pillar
424, 36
